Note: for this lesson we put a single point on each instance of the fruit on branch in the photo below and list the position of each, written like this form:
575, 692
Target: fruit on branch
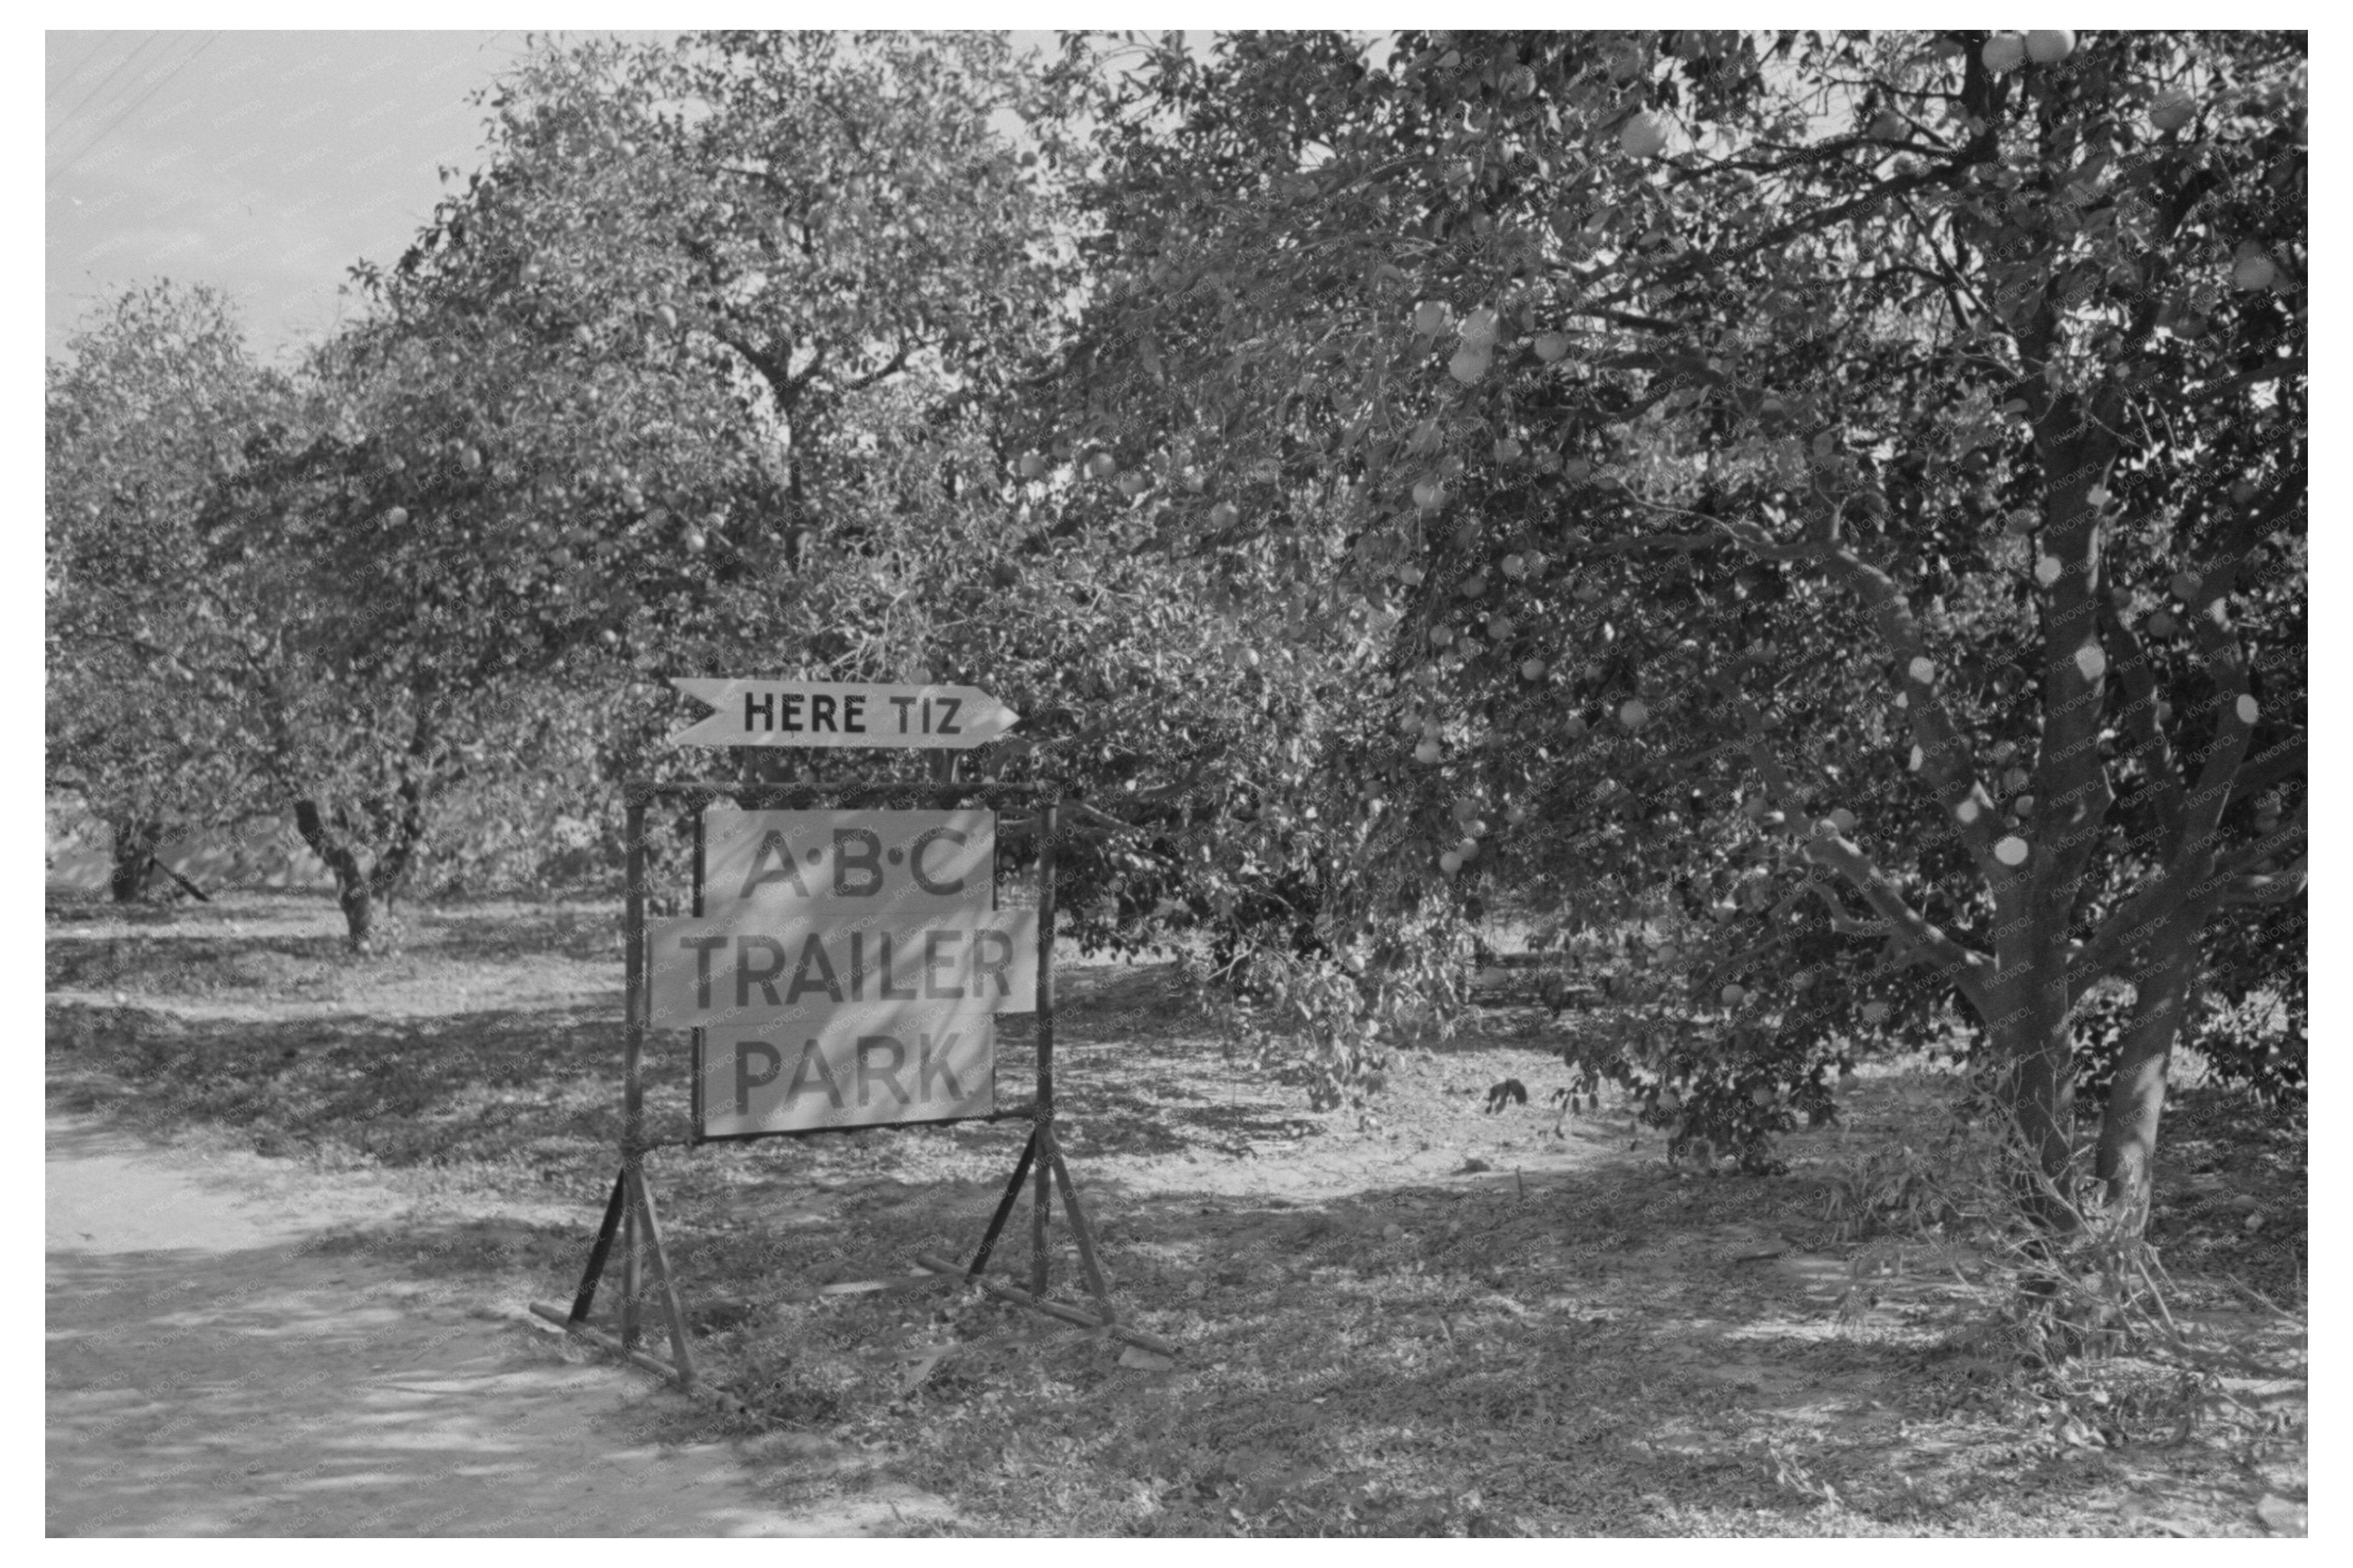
2253, 271
2172, 110
2050, 47
1644, 136
1469, 364
2003, 53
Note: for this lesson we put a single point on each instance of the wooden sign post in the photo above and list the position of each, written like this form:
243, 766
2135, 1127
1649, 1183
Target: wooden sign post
843, 969
831, 713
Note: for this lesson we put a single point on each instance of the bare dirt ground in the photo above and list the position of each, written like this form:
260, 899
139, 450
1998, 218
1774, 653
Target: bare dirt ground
299, 1203
213, 1372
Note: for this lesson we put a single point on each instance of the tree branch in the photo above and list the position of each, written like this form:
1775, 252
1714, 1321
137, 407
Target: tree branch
773, 368
2278, 761
898, 362
2268, 888
1946, 755
2139, 715
1782, 233
1839, 854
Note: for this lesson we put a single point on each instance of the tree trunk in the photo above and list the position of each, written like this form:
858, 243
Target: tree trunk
355, 889
411, 809
134, 845
2136, 1098
359, 913
2036, 1045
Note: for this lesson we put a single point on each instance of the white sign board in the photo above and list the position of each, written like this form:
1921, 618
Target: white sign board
854, 1066
748, 964
847, 971
848, 863
828, 714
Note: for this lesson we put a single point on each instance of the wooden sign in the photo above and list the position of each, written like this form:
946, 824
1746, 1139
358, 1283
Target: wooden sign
747, 964
848, 863
846, 971
852, 1067
825, 714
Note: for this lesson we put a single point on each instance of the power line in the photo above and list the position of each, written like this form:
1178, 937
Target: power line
92, 146
82, 68
141, 48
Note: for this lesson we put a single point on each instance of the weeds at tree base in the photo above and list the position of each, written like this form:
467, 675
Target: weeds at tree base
1597, 1350
2047, 1302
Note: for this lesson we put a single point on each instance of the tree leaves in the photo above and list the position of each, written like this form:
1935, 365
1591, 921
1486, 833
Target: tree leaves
1763, 325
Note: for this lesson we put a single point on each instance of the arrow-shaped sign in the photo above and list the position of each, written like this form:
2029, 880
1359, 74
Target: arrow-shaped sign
828, 714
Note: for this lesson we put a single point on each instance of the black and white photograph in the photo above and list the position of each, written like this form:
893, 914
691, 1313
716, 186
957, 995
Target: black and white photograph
935, 782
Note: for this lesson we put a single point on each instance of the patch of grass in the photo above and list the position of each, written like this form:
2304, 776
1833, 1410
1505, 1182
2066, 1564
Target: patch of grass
1461, 1323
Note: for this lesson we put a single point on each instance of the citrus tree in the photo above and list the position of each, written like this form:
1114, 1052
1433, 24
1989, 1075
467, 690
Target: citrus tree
1854, 481
150, 407
635, 404
434, 574
826, 233
825, 225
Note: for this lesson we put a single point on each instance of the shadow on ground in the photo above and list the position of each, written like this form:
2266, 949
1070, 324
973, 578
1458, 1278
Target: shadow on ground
1463, 1323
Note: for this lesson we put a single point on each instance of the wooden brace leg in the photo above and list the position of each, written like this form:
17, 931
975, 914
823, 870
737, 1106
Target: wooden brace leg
1004, 1206
586, 1297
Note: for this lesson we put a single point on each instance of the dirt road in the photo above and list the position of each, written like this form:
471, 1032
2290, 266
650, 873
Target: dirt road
212, 1371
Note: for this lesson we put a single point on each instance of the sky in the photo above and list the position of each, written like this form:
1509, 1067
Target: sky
263, 162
